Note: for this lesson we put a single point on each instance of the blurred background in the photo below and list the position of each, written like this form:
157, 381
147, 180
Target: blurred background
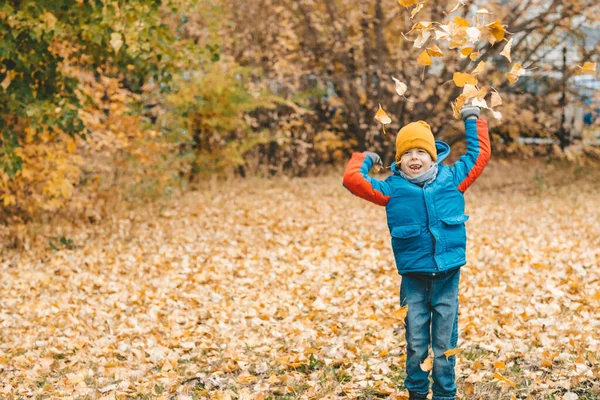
109, 101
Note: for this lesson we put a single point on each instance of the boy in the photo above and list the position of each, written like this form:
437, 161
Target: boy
425, 214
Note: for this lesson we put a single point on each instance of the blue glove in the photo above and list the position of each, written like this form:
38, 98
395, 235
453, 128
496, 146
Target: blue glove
468, 111
374, 157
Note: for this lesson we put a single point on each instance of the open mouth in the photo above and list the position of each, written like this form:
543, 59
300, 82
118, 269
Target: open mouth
415, 168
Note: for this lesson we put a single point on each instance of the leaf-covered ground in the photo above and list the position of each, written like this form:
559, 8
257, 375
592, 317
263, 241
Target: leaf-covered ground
286, 289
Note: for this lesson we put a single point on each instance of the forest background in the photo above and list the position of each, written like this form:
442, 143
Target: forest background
110, 101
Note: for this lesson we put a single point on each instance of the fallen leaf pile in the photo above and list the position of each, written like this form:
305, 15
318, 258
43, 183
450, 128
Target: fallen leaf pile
287, 287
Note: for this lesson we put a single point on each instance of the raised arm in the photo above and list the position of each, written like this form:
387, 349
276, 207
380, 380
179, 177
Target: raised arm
358, 181
470, 165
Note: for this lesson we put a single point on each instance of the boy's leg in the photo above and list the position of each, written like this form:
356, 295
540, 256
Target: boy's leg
415, 292
444, 332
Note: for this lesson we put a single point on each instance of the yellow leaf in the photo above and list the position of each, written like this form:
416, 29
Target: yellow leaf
458, 21
496, 99
516, 71
452, 352
382, 117
474, 55
466, 51
408, 3
496, 32
457, 41
434, 51
71, 146
588, 68
499, 365
424, 59
504, 379
460, 79
506, 51
480, 68
427, 365
401, 313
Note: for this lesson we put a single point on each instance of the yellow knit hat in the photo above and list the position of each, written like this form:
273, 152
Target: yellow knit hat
415, 135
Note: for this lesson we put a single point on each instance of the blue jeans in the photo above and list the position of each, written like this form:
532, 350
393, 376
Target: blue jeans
432, 319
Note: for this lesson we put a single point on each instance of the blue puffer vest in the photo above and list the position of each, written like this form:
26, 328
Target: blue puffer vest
427, 224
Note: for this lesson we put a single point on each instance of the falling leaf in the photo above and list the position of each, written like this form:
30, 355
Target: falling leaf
474, 55
400, 87
466, 51
515, 73
408, 3
495, 32
452, 352
382, 117
480, 68
496, 100
473, 34
588, 68
415, 10
421, 39
424, 59
481, 103
459, 4
460, 79
460, 22
506, 51
504, 379
434, 51
401, 313
116, 41
440, 34
427, 365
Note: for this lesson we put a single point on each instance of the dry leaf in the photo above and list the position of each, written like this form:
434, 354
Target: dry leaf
421, 39
504, 379
459, 4
401, 313
452, 352
466, 51
495, 32
424, 59
480, 68
461, 79
473, 34
415, 10
506, 51
474, 55
588, 68
434, 51
515, 73
400, 87
408, 3
496, 100
382, 117
427, 365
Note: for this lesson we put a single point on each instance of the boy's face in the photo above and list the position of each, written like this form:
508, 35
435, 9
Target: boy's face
415, 161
